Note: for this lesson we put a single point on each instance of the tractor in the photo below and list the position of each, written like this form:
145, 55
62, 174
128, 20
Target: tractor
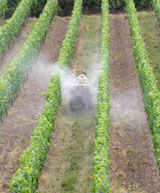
80, 94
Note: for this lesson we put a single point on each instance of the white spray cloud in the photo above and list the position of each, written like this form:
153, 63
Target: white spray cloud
68, 76
126, 106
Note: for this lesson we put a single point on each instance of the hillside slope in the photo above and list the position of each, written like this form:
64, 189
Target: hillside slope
133, 165
69, 164
16, 45
22, 117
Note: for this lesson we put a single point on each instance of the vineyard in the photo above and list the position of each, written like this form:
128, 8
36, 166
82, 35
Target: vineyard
114, 146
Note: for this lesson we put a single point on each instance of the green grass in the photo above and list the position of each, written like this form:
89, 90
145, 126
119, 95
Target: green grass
71, 165
76, 152
151, 37
88, 41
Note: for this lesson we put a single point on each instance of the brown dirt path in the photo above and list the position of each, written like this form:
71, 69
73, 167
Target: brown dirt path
133, 166
69, 163
16, 45
22, 117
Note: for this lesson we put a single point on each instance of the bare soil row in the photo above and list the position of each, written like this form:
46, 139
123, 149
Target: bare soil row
133, 165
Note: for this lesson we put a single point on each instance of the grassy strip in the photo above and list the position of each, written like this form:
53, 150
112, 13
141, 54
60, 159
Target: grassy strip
11, 79
101, 157
33, 158
151, 38
14, 24
146, 77
156, 6
3, 6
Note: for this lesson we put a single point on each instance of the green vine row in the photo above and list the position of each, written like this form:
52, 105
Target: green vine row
156, 6
14, 24
3, 6
11, 79
101, 180
146, 77
33, 158
67, 49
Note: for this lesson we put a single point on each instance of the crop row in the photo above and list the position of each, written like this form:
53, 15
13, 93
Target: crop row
33, 158
14, 24
101, 158
146, 77
67, 50
156, 6
11, 80
3, 5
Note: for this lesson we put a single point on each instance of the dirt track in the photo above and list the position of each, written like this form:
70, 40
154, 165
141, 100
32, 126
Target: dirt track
16, 45
133, 167
22, 117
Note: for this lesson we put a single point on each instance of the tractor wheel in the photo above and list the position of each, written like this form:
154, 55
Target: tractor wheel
72, 106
